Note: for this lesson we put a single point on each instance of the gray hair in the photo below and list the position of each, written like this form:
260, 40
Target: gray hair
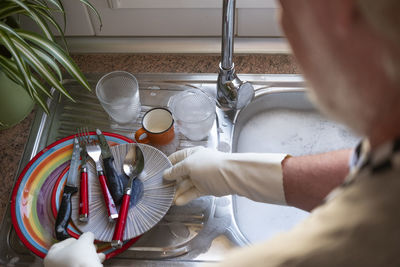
384, 15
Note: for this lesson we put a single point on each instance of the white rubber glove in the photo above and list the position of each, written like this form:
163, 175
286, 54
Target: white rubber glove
73, 252
200, 171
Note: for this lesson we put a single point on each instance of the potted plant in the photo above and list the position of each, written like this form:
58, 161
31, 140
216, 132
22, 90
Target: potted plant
31, 63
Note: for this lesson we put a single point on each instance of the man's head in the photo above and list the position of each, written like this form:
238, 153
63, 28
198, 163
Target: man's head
349, 52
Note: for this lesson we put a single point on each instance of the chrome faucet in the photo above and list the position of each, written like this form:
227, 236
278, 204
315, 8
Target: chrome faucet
232, 93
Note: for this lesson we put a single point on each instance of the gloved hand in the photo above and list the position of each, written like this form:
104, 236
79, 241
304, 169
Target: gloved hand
200, 171
74, 253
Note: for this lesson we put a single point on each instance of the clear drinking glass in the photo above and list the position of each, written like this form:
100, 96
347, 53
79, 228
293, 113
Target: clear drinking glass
194, 113
118, 93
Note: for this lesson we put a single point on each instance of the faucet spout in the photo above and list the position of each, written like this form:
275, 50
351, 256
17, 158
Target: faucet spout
232, 93
228, 28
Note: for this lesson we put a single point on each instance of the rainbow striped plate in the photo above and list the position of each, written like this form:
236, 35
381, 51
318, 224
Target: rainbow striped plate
31, 208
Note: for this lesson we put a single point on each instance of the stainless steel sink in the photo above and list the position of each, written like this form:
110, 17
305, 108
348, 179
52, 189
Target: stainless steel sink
282, 120
207, 228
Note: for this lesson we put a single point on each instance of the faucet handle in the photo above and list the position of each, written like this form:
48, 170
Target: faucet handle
245, 94
235, 94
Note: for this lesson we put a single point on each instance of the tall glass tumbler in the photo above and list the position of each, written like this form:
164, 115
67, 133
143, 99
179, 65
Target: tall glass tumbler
194, 112
118, 93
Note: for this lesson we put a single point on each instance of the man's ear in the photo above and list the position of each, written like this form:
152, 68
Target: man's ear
347, 16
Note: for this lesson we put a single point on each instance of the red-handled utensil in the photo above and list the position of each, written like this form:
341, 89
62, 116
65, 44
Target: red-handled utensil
83, 196
94, 152
133, 165
83, 135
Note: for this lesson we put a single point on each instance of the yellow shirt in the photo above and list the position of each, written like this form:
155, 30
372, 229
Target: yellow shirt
360, 226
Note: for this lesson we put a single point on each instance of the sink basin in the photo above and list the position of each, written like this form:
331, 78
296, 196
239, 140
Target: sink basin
280, 120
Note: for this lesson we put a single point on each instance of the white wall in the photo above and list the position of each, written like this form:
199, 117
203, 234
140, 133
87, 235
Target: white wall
189, 26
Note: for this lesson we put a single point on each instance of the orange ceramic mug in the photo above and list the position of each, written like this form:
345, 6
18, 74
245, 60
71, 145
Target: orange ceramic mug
158, 126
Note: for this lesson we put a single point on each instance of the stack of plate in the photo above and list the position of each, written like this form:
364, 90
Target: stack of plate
38, 190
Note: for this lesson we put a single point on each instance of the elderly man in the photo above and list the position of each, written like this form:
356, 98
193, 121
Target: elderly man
349, 51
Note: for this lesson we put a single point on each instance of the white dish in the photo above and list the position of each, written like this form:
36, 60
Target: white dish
153, 199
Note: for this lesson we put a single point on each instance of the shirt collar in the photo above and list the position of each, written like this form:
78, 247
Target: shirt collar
383, 158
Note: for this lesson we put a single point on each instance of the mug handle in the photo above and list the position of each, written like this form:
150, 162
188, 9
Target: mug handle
139, 133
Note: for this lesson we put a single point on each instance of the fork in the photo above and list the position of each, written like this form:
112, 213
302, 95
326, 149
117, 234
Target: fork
83, 136
94, 152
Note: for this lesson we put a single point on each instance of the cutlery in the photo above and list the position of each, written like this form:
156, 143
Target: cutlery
115, 181
133, 165
94, 153
84, 189
64, 212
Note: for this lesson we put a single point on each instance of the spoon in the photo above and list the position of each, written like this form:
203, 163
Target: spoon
133, 165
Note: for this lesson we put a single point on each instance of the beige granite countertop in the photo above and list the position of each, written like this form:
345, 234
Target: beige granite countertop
12, 141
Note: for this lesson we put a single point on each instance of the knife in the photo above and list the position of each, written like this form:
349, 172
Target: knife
115, 180
64, 212
84, 189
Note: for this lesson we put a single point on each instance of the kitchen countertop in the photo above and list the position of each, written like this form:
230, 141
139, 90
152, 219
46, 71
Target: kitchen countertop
12, 141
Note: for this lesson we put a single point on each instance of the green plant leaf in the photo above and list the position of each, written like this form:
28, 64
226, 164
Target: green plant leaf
11, 70
39, 85
49, 60
57, 3
47, 15
10, 10
40, 2
60, 7
42, 10
14, 9
37, 64
23, 69
54, 49
9, 30
87, 3
29, 58
39, 21
42, 102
